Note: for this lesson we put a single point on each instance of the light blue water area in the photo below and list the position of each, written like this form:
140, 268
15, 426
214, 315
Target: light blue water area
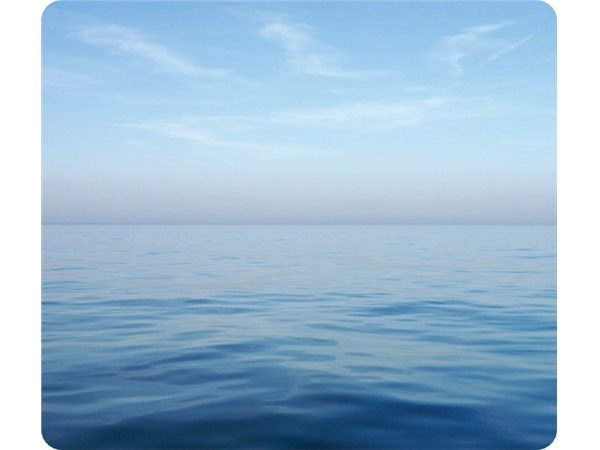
405, 337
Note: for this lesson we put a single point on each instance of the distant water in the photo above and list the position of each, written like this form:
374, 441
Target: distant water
402, 337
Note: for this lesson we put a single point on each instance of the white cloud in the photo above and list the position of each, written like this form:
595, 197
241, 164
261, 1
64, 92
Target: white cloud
129, 41
476, 42
207, 133
180, 130
305, 53
372, 116
507, 48
211, 132
241, 133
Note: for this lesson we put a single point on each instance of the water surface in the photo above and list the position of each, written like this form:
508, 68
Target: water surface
404, 337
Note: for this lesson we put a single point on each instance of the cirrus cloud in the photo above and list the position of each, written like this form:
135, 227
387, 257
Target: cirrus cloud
307, 54
132, 42
479, 43
370, 116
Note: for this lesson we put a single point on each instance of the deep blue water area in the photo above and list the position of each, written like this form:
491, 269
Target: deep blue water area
297, 337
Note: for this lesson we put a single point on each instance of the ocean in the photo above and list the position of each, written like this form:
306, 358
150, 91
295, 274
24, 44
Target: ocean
298, 337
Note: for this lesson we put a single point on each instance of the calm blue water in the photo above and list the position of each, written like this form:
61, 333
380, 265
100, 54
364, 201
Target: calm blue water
404, 337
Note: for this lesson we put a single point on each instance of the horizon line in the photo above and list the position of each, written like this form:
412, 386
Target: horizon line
308, 223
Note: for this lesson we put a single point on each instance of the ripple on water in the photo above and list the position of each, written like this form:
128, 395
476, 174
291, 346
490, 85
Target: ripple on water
334, 337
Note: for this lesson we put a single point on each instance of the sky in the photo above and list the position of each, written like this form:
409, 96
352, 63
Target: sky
314, 112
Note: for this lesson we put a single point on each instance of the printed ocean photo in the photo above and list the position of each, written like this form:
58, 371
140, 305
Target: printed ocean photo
295, 225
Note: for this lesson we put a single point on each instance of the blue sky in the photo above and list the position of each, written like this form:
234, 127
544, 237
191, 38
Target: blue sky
239, 112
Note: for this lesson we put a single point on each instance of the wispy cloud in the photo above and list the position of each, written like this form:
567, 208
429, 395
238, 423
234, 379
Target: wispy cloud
242, 133
479, 42
307, 54
371, 116
185, 130
508, 48
132, 42
207, 132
